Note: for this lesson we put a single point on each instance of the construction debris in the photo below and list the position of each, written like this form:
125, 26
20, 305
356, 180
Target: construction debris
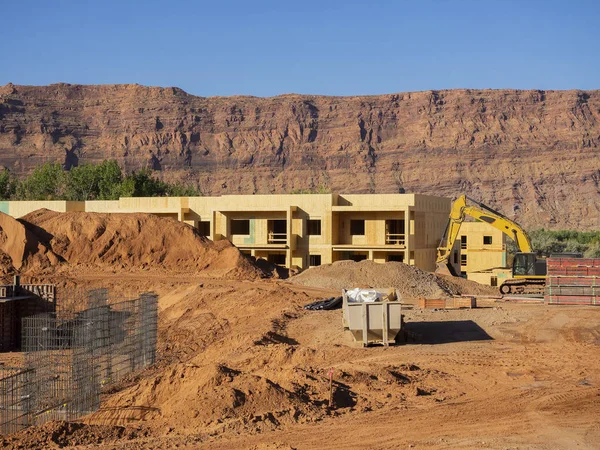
325, 305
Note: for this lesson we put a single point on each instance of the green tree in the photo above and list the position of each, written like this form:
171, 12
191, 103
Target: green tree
141, 184
104, 181
47, 182
8, 185
182, 190
110, 180
546, 242
593, 251
94, 182
82, 183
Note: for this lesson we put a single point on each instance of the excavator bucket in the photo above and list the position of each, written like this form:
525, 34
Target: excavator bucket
443, 269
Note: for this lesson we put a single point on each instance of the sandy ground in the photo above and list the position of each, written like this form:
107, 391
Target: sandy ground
244, 366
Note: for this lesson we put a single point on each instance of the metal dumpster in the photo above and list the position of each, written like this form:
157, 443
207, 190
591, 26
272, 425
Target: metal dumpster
377, 322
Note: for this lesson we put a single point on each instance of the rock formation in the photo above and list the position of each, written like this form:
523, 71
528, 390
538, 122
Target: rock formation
531, 154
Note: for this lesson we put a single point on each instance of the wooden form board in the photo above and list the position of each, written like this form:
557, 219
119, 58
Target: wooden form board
443, 303
432, 303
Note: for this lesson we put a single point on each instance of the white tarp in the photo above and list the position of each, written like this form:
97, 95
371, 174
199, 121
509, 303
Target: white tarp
358, 295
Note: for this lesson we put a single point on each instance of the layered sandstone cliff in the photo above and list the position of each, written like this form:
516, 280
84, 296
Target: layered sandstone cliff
532, 154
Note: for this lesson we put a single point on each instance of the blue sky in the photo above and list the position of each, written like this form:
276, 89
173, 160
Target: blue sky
267, 48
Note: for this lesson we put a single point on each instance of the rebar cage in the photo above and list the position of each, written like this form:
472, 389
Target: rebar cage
71, 355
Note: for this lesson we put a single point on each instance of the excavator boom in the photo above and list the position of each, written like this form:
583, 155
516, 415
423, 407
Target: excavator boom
460, 210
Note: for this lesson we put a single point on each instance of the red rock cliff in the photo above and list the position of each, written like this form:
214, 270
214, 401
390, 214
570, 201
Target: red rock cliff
531, 154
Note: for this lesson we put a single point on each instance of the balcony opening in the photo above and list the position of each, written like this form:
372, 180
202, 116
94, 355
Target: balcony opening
204, 228
398, 257
487, 240
394, 232
240, 227
357, 257
276, 258
277, 231
463, 260
463, 242
357, 227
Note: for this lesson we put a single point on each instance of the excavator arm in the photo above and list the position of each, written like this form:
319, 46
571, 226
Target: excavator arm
459, 211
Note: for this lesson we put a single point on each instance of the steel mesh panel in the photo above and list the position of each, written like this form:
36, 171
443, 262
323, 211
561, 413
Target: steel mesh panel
15, 399
71, 355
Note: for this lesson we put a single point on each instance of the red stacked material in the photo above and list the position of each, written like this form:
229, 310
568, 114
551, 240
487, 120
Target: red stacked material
573, 281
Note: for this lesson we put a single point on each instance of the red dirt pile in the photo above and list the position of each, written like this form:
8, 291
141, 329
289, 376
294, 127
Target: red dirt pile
217, 342
19, 247
65, 434
410, 281
44, 240
231, 365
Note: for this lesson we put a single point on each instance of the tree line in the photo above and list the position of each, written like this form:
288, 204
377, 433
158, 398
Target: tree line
546, 242
104, 181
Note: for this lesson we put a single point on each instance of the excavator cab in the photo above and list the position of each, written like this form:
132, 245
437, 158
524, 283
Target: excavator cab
527, 265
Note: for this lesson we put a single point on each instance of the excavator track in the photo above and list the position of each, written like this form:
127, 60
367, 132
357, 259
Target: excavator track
523, 286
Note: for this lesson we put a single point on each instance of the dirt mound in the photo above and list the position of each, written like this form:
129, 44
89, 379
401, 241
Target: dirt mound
122, 241
231, 365
411, 282
214, 398
61, 434
460, 285
19, 247
217, 345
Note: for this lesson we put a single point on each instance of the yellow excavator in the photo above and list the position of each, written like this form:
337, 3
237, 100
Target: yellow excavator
528, 272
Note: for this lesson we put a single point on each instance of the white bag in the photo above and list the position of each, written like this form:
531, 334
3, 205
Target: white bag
358, 295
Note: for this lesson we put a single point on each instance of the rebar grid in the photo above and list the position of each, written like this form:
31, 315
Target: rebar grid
71, 355
15, 402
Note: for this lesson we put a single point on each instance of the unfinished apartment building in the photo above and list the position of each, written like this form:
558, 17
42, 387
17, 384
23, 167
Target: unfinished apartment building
480, 254
304, 230
307, 230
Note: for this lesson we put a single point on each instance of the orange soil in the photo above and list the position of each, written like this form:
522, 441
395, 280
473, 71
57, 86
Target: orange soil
43, 241
244, 366
410, 282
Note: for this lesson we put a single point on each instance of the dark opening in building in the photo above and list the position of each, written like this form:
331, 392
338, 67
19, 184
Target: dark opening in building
463, 242
204, 228
394, 232
277, 230
357, 258
314, 260
487, 240
398, 257
240, 226
276, 258
313, 227
357, 227
463, 260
